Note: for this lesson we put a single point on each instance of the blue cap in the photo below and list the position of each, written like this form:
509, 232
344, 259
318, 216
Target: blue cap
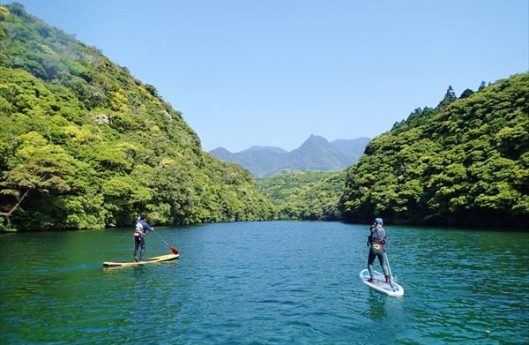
379, 221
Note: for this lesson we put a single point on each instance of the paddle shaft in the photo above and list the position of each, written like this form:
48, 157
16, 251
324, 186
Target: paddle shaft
173, 250
389, 267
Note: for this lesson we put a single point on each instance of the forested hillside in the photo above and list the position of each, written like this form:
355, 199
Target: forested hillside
466, 162
305, 195
86, 145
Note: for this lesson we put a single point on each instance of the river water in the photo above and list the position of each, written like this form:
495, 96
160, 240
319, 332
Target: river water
264, 283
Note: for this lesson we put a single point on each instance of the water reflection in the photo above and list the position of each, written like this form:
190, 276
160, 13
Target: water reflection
377, 306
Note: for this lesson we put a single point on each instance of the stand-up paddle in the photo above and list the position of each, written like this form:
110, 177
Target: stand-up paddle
173, 249
389, 267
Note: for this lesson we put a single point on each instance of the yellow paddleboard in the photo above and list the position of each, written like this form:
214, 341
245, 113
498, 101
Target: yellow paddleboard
153, 260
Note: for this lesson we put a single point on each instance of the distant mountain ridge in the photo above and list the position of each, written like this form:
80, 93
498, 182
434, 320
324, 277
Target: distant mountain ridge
316, 153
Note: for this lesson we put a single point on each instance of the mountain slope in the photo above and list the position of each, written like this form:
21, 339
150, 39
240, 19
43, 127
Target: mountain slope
260, 160
465, 162
351, 149
316, 153
85, 145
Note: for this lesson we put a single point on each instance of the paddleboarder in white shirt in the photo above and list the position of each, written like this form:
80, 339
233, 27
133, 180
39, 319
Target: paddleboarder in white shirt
141, 228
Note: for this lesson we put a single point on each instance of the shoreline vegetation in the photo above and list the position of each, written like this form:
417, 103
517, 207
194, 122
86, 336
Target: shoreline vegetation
85, 145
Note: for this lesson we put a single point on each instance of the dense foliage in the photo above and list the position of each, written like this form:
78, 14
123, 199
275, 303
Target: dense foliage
85, 145
464, 162
305, 195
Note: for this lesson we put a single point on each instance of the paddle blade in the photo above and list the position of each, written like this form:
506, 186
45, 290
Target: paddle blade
173, 250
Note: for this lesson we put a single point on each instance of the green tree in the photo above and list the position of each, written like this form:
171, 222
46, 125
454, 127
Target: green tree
467, 93
449, 97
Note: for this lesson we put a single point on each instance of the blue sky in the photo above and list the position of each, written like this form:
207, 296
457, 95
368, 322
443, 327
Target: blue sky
251, 72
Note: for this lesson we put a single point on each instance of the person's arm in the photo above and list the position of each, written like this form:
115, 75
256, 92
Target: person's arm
147, 227
369, 237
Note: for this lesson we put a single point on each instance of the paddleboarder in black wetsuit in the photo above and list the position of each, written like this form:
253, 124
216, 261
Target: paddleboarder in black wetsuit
377, 241
141, 228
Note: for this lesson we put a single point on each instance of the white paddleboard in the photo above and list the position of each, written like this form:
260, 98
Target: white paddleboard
379, 283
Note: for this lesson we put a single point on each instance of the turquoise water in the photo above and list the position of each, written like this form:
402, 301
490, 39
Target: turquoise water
264, 283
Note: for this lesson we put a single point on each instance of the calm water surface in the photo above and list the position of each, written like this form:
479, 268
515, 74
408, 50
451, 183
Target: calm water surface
264, 283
